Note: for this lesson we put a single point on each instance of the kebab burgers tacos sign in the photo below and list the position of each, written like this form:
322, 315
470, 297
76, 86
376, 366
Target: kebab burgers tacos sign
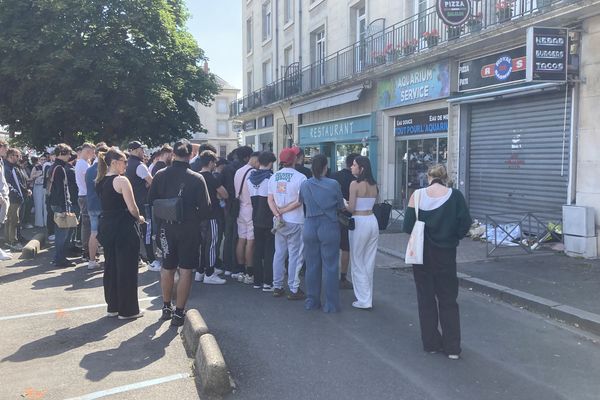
454, 12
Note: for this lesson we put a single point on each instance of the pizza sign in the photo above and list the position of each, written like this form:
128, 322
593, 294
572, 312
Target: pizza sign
454, 12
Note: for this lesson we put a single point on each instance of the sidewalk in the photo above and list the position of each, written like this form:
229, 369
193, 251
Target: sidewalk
551, 284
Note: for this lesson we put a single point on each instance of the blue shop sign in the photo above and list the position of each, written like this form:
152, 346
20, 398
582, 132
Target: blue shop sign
336, 131
435, 121
426, 83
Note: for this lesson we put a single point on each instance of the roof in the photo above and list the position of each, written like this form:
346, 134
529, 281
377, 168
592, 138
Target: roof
223, 83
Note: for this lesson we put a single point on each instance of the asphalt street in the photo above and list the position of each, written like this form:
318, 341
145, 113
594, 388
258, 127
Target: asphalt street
57, 344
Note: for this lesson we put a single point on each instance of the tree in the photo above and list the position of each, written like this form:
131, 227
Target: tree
112, 70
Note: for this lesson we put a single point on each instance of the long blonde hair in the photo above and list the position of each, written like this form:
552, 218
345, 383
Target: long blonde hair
105, 159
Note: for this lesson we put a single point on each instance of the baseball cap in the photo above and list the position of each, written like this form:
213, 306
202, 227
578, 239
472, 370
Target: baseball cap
134, 145
287, 156
297, 150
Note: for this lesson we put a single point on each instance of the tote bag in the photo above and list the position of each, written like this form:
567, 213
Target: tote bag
414, 249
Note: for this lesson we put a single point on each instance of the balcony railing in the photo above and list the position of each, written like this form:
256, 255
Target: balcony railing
414, 35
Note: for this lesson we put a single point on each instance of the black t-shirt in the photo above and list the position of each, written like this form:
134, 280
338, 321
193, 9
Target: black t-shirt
345, 178
157, 167
212, 184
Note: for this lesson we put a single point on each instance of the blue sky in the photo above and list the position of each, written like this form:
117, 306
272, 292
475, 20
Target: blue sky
217, 27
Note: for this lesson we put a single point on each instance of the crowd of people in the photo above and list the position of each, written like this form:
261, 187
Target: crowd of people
252, 218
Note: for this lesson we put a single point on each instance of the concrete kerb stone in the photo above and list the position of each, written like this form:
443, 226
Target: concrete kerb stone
211, 367
33, 247
193, 327
579, 318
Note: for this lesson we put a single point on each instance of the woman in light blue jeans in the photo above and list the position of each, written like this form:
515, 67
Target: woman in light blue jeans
322, 197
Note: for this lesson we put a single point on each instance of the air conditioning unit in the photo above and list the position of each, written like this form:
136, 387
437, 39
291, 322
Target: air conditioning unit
579, 232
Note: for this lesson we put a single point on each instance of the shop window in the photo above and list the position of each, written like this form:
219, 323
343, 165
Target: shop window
223, 151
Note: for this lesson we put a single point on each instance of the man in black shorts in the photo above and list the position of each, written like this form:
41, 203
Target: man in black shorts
345, 178
180, 241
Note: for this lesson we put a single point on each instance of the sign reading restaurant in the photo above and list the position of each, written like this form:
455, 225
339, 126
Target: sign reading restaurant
417, 85
336, 131
454, 12
547, 55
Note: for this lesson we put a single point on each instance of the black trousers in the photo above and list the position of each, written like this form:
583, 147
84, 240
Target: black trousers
264, 250
146, 241
49, 218
229, 244
437, 290
121, 270
209, 230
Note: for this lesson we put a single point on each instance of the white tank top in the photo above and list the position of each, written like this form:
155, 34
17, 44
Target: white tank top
427, 203
365, 203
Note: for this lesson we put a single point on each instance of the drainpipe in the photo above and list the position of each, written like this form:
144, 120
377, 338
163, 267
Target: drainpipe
276, 40
572, 185
300, 32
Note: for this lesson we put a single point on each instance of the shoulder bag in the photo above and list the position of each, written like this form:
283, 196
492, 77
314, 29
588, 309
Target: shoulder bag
170, 210
234, 203
414, 248
382, 212
66, 219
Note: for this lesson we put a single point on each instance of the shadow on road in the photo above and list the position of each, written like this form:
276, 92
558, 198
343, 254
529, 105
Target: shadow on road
135, 353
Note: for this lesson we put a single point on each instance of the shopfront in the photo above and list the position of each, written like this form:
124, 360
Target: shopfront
516, 134
421, 141
337, 139
414, 101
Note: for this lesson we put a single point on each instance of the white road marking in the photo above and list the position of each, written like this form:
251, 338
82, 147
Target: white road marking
63, 310
133, 386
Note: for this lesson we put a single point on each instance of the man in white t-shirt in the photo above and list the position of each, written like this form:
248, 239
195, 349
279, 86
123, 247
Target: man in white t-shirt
81, 167
284, 190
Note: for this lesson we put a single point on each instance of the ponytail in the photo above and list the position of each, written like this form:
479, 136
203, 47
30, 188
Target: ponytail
102, 167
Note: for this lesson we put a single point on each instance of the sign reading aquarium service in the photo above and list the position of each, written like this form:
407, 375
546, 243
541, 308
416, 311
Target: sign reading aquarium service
426, 83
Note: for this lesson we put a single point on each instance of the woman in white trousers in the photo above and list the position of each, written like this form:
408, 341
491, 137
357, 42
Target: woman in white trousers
364, 238
39, 195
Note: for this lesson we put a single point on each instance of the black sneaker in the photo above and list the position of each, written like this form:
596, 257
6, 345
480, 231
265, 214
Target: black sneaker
167, 313
278, 292
177, 319
299, 295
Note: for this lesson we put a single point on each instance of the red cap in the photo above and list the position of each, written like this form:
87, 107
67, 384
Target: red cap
287, 156
297, 150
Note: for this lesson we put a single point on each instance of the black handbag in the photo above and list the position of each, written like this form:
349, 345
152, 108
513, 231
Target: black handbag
234, 203
346, 219
170, 210
382, 212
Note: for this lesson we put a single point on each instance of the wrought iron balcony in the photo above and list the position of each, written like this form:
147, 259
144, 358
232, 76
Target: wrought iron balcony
416, 34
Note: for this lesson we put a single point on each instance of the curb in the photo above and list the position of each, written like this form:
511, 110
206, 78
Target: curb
210, 364
581, 319
33, 247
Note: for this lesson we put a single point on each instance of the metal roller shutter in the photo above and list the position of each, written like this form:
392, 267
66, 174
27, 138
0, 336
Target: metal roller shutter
519, 155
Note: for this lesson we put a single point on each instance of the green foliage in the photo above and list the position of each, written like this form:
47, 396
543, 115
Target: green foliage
114, 70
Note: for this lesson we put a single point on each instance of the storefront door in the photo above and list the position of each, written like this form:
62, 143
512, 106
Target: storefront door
413, 159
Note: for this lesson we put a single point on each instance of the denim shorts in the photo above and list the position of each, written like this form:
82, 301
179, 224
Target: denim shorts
94, 218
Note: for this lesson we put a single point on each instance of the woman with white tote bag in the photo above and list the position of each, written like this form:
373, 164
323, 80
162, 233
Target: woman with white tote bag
447, 220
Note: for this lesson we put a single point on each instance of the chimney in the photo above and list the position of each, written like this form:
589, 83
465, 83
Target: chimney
206, 67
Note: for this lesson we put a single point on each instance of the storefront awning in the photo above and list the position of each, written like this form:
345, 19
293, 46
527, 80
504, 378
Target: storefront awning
504, 92
329, 100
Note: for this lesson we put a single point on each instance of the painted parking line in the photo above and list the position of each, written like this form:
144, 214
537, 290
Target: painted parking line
62, 311
130, 387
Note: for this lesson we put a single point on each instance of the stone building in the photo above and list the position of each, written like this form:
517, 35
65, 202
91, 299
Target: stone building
409, 87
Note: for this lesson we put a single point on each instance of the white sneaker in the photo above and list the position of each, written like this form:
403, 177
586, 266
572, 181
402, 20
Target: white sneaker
267, 288
51, 238
142, 264
227, 273
138, 315
214, 280
238, 276
218, 271
248, 280
155, 266
93, 265
199, 277
4, 255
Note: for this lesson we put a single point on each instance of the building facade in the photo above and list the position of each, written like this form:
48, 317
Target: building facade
511, 117
215, 119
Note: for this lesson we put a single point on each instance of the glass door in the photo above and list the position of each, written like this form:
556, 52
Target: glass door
413, 159
342, 150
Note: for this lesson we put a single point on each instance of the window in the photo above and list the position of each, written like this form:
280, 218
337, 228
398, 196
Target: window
267, 72
222, 128
266, 21
288, 56
222, 107
421, 16
249, 79
249, 38
288, 11
223, 151
318, 55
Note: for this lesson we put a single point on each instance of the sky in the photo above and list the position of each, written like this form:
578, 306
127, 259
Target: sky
217, 27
